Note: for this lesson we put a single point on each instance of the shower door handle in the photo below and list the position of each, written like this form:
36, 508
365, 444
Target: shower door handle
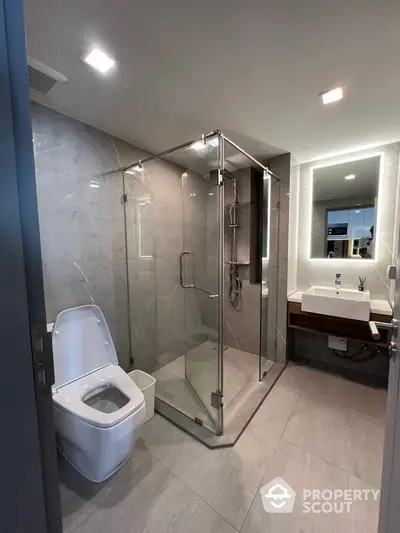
181, 277
211, 294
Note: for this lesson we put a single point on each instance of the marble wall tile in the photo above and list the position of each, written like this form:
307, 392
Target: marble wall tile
80, 213
82, 224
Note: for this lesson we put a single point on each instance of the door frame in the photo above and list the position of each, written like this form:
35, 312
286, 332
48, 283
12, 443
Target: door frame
389, 512
29, 471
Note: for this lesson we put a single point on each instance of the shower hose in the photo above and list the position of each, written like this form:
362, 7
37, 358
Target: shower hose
235, 283
235, 288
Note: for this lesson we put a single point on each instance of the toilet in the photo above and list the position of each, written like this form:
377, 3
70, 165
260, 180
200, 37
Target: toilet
98, 409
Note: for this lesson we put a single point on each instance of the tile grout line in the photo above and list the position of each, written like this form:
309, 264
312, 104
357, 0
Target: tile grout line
261, 482
85, 518
104, 497
337, 402
290, 415
198, 495
191, 490
329, 463
273, 454
301, 393
280, 438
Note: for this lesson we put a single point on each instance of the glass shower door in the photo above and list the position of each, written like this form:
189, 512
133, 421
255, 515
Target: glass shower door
201, 269
269, 272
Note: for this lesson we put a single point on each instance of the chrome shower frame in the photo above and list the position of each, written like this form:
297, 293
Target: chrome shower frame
182, 420
203, 138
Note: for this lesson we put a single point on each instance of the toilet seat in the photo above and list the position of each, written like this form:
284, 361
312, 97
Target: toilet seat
98, 409
69, 397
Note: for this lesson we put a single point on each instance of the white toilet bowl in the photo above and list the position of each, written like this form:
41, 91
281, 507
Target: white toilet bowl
99, 410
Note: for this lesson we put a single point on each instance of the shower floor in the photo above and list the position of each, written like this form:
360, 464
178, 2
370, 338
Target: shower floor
240, 377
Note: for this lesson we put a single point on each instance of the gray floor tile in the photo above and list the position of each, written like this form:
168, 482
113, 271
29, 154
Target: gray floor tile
344, 437
174, 484
303, 470
240, 373
243, 362
80, 497
366, 451
295, 376
227, 478
275, 410
158, 503
176, 391
330, 388
177, 367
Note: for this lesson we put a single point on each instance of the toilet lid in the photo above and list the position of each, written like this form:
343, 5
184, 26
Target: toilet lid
82, 343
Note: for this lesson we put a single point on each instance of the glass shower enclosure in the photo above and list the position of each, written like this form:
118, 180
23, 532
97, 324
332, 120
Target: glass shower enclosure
183, 328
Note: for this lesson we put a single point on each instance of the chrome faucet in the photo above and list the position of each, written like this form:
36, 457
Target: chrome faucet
338, 281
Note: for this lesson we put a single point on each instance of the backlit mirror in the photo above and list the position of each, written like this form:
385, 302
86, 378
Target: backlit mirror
344, 209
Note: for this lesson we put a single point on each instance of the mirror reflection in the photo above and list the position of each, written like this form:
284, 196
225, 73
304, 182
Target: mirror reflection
344, 209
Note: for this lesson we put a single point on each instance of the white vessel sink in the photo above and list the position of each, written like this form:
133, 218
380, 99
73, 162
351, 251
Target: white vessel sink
344, 303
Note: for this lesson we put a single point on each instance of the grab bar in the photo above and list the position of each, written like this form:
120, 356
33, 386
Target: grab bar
211, 294
374, 330
389, 326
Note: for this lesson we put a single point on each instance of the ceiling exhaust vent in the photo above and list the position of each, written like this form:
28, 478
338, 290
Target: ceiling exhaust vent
41, 77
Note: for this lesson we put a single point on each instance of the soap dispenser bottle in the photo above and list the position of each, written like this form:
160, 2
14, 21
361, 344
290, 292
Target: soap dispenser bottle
338, 281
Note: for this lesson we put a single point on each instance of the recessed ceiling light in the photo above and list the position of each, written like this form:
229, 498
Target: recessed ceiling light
198, 145
350, 177
99, 60
333, 95
211, 193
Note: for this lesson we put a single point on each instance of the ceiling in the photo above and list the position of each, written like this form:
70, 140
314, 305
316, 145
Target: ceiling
251, 68
329, 182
